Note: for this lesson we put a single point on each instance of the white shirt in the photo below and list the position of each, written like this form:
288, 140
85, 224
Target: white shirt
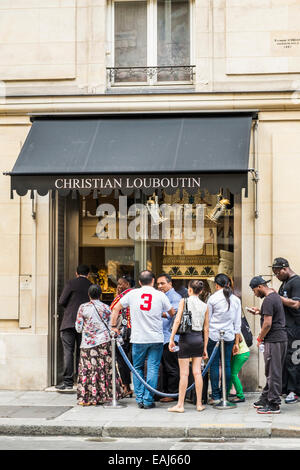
222, 318
146, 308
198, 310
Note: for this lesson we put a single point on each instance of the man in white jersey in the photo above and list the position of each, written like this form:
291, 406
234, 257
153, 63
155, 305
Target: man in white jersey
146, 307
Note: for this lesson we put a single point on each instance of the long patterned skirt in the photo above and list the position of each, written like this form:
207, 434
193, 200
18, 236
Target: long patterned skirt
94, 385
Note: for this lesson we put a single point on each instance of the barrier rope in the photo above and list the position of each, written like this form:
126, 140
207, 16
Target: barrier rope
157, 392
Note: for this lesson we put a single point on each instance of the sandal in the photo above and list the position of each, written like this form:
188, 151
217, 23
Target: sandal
81, 403
238, 400
200, 408
127, 392
174, 409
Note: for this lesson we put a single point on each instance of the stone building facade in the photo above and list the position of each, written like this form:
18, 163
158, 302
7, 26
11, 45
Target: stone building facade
66, 57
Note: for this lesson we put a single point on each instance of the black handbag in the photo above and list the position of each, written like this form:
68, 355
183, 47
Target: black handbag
186, 320
125, 331
246, 331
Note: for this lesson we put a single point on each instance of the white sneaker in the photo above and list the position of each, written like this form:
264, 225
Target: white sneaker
291, 398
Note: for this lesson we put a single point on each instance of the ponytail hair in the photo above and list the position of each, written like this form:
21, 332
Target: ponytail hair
225, 282
196, 286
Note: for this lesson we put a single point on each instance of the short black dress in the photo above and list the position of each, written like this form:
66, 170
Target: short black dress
191, 345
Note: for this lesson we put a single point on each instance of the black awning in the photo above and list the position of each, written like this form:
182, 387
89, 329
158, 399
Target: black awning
128, 152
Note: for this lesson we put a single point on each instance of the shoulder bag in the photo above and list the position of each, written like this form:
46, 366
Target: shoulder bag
186, 320
246, 331
100, 316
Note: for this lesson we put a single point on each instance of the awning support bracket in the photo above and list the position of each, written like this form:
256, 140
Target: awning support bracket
255, 179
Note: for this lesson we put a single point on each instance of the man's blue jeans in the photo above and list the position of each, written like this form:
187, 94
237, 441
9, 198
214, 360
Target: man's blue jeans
151, 352
214, 367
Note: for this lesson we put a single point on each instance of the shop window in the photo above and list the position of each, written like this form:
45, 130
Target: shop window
150, 42
188, 237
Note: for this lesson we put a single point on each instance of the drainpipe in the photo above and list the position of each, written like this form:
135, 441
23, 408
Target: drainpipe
34, 260
255, 179
255, 166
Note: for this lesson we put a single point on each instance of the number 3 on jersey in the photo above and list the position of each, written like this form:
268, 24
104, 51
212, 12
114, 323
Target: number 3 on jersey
147, 302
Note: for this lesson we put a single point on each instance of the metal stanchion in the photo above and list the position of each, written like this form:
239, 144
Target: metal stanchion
224, 404
114, 403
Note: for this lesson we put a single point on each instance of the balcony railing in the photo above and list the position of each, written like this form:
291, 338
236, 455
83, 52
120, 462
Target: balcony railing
160, 75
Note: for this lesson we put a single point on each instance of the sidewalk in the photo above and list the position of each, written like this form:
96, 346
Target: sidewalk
49, 412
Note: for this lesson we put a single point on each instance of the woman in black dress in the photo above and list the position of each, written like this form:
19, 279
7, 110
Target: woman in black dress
191, 345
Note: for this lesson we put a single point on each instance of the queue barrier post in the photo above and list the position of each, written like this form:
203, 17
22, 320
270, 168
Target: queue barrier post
114, 404
224, 404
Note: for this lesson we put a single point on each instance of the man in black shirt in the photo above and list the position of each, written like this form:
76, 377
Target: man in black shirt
289, 291
274, 338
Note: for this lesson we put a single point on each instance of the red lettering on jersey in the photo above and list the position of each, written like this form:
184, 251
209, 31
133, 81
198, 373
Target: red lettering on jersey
147, 302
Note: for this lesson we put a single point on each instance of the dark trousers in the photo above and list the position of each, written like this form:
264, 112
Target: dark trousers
214, 367
170, 370
274, 356
291, 368
122, 366
168, 376
70, 338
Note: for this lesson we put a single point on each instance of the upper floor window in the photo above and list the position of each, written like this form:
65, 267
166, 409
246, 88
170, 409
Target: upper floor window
151, 42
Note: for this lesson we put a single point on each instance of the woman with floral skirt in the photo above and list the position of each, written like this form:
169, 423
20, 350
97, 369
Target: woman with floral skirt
94, 384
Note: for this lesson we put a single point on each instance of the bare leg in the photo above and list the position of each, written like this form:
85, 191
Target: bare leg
183, 382
196, 367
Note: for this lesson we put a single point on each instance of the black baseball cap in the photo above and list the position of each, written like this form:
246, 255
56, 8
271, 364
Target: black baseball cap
257, 281
280, 263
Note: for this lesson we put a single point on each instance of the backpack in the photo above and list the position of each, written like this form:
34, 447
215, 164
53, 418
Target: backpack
246, 332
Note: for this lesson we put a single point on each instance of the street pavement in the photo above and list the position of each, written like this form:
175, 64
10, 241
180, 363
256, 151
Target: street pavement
50, 413
163, 446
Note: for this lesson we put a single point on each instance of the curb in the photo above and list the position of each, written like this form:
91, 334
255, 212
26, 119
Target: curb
286, 431
50, 430
202, 431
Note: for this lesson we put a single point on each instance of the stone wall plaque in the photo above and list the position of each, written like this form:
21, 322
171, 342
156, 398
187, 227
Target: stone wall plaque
285, 44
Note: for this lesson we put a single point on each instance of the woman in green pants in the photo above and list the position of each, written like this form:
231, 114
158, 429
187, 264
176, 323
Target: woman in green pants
237, 362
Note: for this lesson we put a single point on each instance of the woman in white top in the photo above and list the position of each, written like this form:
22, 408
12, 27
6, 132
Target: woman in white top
224, 315
192, 344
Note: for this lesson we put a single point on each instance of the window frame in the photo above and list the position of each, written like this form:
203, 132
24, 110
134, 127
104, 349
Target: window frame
151, 44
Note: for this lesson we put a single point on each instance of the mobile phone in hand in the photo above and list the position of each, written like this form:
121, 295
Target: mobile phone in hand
250, 309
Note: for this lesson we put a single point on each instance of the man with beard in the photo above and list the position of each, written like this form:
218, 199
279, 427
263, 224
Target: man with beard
289, 291
274, 338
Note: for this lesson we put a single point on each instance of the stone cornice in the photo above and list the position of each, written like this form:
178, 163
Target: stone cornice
267, 101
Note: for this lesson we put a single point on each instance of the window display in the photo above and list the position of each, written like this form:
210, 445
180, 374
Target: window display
187, 236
